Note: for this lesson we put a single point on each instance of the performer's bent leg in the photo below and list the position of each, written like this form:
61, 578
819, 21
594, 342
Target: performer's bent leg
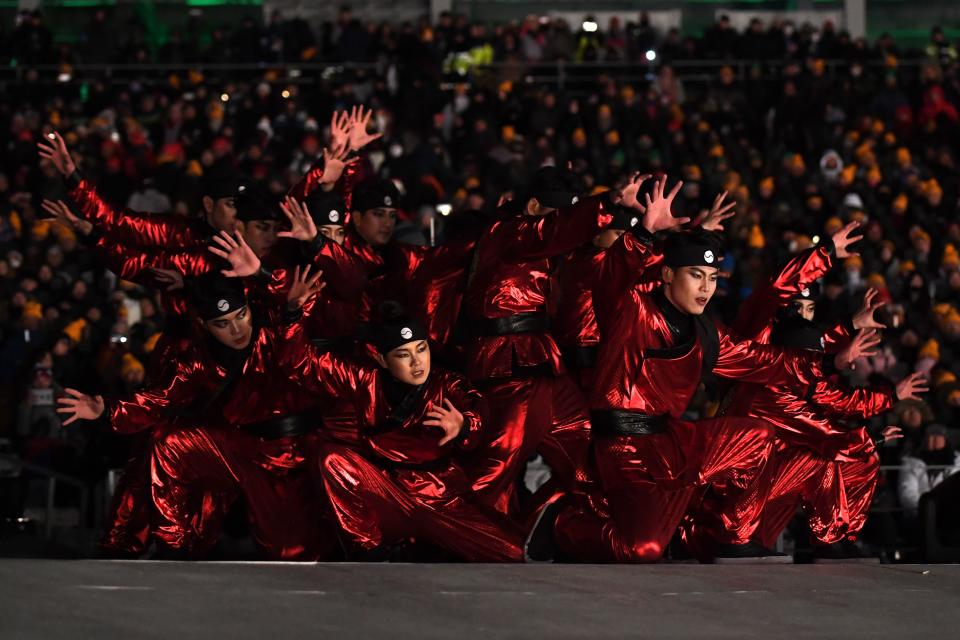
127, 527
374, 510
838, 500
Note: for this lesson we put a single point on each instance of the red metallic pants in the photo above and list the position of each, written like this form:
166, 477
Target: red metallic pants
545, 415
835, 494
127, 527
376, 507
197, 472
649, 482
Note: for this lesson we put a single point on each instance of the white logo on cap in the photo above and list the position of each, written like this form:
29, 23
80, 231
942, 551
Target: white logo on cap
223, 305
387, 200
406, 333
633, 221
575, 200
805, 293
241, 189
334, 215
708, 256
823, 343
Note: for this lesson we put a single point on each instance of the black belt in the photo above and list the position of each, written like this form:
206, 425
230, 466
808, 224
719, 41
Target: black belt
617, 422
283, 426
336, 345
583, 357
533, 322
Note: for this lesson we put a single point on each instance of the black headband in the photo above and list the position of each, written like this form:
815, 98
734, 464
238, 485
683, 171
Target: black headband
810, 292
797, 333
694, 249
326, 208
624, 219
215, 295
396, 332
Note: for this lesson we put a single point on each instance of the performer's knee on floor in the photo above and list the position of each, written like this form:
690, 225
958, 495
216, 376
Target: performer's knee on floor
340, 468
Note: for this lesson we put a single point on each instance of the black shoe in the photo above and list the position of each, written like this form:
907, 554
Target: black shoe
749, 553
541, 544
844, 551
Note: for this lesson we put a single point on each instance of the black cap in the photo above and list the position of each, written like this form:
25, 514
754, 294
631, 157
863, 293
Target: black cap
798, 333
697, 248
624, 219
810, 292
395, 329
375, 193
326, 207
215, 295
225, 186
256, 204
553, 188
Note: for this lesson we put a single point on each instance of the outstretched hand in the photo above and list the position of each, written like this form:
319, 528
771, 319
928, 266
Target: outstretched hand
657, 215
359, 119
628, 195
447, 418
712, 220
303, 288
302, 226
842, 240
913, 384
891, 433
864, 317
80, 406
61, 211
863, 345
172, 278
235, 250
54, 149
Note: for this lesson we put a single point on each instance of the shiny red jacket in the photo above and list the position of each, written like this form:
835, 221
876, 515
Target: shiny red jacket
195, 391
813, 415
510, 275
402, 442
638, 366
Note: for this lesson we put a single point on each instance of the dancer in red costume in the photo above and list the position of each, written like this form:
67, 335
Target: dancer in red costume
399, 479
226, 424
654, 351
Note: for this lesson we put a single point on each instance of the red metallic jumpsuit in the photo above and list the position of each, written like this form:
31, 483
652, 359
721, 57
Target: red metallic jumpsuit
817, 460
649, 479
209, 446
534, 405
394, 480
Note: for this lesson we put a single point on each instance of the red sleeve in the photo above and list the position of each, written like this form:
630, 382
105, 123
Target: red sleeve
758, 310
628, 261
749, 361
150, 407
324, 374
129, 263
863, 402
130, 227
837, 338
472, 405
534, 238
314, 177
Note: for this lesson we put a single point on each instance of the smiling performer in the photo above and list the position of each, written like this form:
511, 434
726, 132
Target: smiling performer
226, 424
399, 480
655, 349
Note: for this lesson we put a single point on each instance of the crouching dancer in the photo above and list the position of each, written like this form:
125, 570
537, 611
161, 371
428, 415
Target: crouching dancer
400, 480
225, 424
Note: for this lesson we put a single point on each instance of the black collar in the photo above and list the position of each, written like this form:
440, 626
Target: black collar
679, 323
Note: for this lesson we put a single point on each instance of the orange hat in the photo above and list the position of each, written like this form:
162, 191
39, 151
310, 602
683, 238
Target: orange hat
943, 376
756, 239
598, 189
75, 329
930, 349
951, 258
899, 204
874, 177
612, 137
627, 92
741, 193
129, 364
889, 138
795, 161
848, 175
40, 229
767, 184
32, 309
703, 126
907, 266
919, 234
833, 225
194, 169
853, 262
716, 151
858, 216
903, 157
732, 181
604, 110
579, 135
506, 86
471, 183
151, 343
508, 133
878, 127
692, 172
876, 281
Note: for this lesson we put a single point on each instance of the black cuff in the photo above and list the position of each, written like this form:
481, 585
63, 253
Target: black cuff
291, 316
73, 180
848, 325
827, 243
309, 250
642, 235
263, 277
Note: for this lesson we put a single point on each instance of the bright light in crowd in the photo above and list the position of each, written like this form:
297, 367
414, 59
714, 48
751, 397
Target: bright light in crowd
285, 93
651, 55
816, 239
444, 209
589, 26
224, 97
51, 136
63, 77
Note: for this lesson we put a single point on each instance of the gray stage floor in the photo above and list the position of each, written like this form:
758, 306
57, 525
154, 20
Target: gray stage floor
52, 599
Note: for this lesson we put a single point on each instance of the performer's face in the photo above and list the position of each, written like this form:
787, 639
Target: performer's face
690, 288
261, 235
221, 213
233, 329
409, 363
606, 238
333, 232
806, 308
376, 225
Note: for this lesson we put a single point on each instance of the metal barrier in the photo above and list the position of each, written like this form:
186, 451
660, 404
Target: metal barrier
53, 478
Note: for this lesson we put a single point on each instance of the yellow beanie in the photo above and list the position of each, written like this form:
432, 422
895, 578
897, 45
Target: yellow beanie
129, 364
930, 349
75, 329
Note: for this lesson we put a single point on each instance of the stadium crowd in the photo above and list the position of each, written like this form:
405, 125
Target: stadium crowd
802, 146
